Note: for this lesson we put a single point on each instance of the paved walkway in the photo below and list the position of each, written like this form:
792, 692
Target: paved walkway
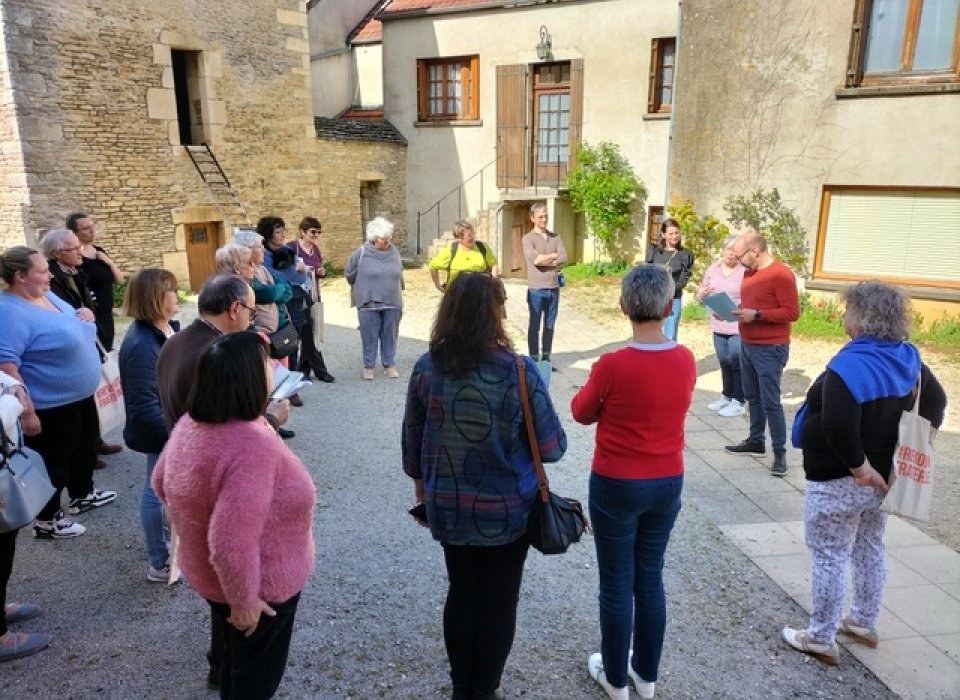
919, 653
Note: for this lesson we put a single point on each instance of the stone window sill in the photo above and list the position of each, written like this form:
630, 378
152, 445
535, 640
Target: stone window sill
451, 122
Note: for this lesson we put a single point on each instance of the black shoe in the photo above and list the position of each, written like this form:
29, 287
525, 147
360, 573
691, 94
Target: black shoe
779, 467
285, 434
295, 400
746, 448
326, 378
213, 677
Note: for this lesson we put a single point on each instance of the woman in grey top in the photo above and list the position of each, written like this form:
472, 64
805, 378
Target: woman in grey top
375, 274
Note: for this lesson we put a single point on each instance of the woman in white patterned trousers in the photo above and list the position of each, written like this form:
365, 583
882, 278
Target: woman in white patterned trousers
847, 430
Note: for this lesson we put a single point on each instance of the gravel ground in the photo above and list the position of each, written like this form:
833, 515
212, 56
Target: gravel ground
369, 624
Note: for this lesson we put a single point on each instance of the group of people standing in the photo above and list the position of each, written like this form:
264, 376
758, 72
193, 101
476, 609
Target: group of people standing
241, 502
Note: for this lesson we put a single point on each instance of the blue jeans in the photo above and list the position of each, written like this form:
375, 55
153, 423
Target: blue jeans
542, 303
154, 523
728, 354
379, 327
632, 520
672, 321
761, 368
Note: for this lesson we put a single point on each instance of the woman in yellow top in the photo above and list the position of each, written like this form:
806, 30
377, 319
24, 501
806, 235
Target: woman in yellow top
466, 254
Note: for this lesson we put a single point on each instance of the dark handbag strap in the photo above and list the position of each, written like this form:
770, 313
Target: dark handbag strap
531, 433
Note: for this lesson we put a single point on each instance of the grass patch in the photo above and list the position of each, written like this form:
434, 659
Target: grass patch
694, 312
586, 273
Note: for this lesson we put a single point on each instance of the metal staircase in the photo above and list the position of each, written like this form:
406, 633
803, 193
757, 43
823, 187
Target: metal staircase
219, 187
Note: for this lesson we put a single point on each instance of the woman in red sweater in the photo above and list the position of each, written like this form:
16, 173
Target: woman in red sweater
636, 479
242, 504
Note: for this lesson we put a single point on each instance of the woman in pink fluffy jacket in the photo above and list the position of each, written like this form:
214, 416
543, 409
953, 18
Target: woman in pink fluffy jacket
242, 505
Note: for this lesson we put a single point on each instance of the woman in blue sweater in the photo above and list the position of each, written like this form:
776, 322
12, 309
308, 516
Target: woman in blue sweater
151, 300
50, 347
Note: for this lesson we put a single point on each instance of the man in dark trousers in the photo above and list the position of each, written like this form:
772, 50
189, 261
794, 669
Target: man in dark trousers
769, 303
545, 256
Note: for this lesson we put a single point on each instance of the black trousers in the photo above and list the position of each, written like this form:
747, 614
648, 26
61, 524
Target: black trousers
308, 357
68, 444
251, 668
480, 615
8, 547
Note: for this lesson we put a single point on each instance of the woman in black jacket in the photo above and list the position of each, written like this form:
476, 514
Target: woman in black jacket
151, 299
848, 433
670, 253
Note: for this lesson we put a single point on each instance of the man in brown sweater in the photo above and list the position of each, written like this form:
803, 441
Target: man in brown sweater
545, 256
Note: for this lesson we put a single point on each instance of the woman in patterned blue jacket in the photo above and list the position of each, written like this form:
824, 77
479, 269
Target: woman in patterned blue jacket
466, 448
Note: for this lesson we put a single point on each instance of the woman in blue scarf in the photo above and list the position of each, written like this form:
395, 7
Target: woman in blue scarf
848, 436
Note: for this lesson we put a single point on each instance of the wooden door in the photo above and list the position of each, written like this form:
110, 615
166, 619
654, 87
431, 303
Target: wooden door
202, 242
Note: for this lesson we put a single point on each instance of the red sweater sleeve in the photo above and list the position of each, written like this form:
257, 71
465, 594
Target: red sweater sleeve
773, 292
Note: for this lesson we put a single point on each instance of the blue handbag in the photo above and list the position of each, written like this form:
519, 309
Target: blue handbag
25, 487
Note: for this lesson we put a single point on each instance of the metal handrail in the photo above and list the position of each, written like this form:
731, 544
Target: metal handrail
458, 189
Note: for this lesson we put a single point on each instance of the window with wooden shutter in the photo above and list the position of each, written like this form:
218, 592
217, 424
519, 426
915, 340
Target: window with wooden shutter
900, 235
512, 112
662, 62
904, 42
448, 88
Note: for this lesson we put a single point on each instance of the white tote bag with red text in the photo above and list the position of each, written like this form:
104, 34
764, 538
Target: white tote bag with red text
911, 485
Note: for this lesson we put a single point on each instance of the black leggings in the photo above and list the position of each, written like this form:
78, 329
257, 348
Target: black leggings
480, 615
68, 444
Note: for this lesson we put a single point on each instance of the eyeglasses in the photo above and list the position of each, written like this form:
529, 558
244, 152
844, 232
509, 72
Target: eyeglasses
740, 257
74, 249
253, 311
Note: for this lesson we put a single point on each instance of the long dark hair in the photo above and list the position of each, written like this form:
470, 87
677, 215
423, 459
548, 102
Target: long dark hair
230, 380
469, 323
664, 225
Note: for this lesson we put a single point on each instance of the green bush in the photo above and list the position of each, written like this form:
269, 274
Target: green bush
604, 188
779, 224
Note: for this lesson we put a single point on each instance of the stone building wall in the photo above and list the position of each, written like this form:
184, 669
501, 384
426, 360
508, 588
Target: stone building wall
351, 172
96, 123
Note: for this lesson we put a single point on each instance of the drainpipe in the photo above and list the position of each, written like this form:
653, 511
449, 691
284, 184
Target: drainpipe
674, 107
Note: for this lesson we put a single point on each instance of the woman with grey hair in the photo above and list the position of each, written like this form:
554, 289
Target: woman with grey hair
235, 258
271, 295
636, 479
375, 274
726, 275
848, 430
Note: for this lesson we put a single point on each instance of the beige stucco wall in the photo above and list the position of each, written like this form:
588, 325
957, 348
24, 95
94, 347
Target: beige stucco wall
756, 106
92, 85
348, 164
342, 76
611, 36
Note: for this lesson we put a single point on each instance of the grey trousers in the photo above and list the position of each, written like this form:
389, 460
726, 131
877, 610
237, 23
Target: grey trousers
379, 327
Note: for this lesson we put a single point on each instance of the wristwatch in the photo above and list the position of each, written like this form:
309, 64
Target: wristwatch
756, 315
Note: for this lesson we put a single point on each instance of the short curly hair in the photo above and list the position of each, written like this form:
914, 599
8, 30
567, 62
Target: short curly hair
877, 309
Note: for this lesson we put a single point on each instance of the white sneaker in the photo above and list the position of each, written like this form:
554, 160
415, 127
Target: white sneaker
595, 667
645, 689
722, 402
734, 408
59, 528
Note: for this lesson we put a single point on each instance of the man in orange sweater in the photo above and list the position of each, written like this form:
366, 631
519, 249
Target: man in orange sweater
769, 303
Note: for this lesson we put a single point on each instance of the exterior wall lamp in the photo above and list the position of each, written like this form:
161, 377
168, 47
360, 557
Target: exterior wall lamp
546, 44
